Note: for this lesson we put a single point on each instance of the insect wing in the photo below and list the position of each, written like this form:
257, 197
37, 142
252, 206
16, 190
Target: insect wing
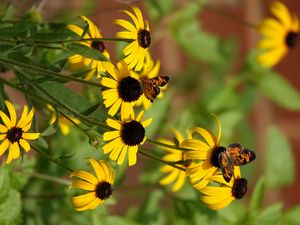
240, 156
226, 166
151, 86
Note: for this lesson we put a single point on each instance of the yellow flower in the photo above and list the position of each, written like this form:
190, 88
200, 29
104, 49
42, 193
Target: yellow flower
135, 52
79, 62
63, 123
14, 134
280, 34
123, 89
205, 154
99, 187
125, 138
173, 175
218, 197
150, 70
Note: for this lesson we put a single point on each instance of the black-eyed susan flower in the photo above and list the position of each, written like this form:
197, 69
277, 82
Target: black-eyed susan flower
128, 134
63, 123
174, 176
218, 197
135, 52
99, 187
122, 89
279, 35
13, 134
80, 62
205, 154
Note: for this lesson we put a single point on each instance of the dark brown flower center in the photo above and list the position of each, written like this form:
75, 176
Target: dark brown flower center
129, 89
132, 133
239, 188
144, 38
14, 134
291, 39
98, 45
104, 190
215, 156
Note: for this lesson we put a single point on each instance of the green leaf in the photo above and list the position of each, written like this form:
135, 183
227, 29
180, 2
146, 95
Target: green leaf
270, 215
86, 52
232, 214
277, 89
20, 173
291, 217
10, 11
257, 198
157, 9
280, 164
4, 184
10, 210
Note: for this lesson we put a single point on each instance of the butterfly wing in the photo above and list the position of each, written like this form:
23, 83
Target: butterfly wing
151, 86
226, 166
240, 156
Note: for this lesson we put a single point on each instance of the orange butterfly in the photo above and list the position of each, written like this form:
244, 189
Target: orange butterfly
151, 86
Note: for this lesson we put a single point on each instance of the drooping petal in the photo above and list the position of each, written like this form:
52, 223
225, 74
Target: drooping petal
12, 113
84, 175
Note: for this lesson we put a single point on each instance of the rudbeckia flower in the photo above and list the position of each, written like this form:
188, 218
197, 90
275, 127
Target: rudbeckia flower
135, 52
14, 134
279, 35
77, 61
150, 70
99, 187
127, 135
123, 89
173, 175
218, 197
63, 123
205, 154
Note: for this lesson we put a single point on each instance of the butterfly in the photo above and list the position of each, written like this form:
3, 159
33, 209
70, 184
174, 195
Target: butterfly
151, 86
234, 155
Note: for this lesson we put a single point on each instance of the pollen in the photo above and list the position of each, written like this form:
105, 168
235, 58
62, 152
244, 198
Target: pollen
104, 190
129, 89
239, 188
144, 38
132, 133
14, 134
291, 39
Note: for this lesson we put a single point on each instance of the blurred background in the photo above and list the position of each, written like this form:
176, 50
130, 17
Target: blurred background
203, 48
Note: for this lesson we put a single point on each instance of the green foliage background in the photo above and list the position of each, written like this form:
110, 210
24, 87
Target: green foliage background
31, 192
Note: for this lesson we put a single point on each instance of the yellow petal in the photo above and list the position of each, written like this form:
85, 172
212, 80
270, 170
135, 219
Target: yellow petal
180, 181
77, 30
122, 155
5, 120
100, 173
3, 129
271, 57
134, 19
195, 145
210, 138
111, 145
115, 107
84, 199
82, 185
25, 145
12, 113
11, 152
109, 83
169, 178
30, 136
127, 112
126, 25
147, 122
114, 124
23, 116
110, 135
108, 171
4, 146
281, 12
65, 128
84, 175
132, 151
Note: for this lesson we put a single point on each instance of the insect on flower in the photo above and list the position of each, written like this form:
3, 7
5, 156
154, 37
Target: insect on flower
234, 155
151, 86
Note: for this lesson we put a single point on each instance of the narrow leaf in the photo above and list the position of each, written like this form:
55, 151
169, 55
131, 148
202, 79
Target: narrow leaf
86, 51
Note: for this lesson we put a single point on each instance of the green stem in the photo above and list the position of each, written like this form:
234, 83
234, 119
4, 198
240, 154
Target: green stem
174, 147
48, 72
61, 104
51, 178
159, 160
45, 155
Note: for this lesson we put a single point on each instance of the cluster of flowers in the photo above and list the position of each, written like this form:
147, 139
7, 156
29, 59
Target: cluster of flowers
212, 169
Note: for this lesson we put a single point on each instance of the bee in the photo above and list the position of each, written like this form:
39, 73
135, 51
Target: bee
151, 86
234, 155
